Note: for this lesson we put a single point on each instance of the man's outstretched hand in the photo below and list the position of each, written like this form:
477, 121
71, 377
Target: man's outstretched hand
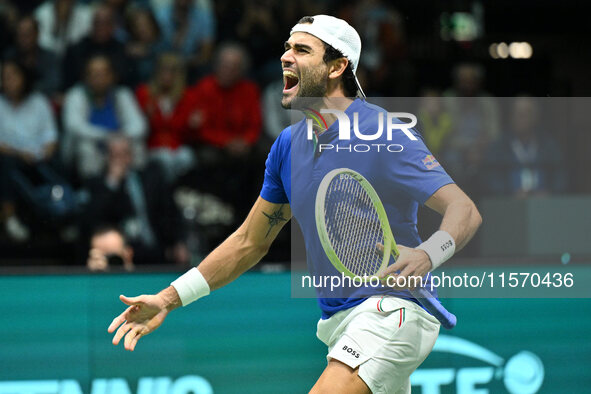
145, 314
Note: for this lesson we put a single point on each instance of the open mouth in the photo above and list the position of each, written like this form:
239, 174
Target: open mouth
291, 81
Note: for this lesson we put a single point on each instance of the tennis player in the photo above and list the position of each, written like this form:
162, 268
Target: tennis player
374, 343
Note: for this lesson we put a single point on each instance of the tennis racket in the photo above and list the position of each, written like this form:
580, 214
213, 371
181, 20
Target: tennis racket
353, 227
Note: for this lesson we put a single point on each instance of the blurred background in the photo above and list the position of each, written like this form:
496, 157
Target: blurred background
133, 135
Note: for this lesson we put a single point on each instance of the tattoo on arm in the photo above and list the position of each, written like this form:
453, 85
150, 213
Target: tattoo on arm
275, 218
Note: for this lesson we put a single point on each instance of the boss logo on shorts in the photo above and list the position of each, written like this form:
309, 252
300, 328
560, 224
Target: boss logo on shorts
352, 352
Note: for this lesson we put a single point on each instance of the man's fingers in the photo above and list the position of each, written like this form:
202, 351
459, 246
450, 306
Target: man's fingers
116, 322
130, 337
400, 263
380, 249
131, 300
407, 272
134, 341
392, 269
119, 320
408, 281
120, 332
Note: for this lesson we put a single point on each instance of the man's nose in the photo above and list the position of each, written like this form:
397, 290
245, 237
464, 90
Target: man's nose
287, 58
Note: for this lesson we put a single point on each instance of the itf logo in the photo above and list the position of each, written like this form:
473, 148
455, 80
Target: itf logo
521, 374
315, 122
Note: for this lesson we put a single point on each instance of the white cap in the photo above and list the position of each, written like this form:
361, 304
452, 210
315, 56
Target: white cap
338, 34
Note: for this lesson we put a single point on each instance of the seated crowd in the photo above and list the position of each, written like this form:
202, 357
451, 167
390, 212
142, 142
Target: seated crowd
117, 117
100, 126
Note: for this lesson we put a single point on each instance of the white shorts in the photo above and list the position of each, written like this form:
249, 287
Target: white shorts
386, 337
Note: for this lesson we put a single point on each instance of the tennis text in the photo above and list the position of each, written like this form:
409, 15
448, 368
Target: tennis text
189, 384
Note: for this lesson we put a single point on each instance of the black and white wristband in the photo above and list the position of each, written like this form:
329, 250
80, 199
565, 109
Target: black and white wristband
439, 247
191, 286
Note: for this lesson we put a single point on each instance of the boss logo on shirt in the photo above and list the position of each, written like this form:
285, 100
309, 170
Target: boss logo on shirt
352, 352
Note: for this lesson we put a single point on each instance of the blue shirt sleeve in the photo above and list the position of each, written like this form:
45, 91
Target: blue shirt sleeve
273, 189
415, 170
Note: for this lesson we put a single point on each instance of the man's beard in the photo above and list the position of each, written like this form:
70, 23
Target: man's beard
312, 84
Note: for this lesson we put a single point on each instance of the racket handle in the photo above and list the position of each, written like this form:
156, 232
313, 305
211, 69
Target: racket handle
448, 320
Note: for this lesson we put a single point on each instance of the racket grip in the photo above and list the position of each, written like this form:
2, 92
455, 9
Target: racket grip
448, 320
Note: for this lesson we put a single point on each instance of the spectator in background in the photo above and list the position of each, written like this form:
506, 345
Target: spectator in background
62, 23
8, 19
109, 249
385, 49
475, 117
526, 161
120, 9
228, 14
228, 118
188, 27
434, 121
168, 106
28, 136
43, 63
228, 104
144, 45
95, 111
141, 204
259, 30
101, 40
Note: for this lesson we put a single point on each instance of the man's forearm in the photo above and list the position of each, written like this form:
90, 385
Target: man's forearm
224, 264
230, 260
461, 220
239, 252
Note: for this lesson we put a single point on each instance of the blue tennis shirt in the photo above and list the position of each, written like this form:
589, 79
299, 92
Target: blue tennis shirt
404, 176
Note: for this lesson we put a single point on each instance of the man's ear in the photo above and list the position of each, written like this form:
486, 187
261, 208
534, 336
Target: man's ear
337, 67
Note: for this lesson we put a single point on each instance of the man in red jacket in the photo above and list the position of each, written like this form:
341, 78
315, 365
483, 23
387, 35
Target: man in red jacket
228, 104
228, 120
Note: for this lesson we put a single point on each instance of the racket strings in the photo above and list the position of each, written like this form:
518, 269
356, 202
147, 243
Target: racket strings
353, 226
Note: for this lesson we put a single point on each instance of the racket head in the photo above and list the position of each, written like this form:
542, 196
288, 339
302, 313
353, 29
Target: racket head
351, 221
